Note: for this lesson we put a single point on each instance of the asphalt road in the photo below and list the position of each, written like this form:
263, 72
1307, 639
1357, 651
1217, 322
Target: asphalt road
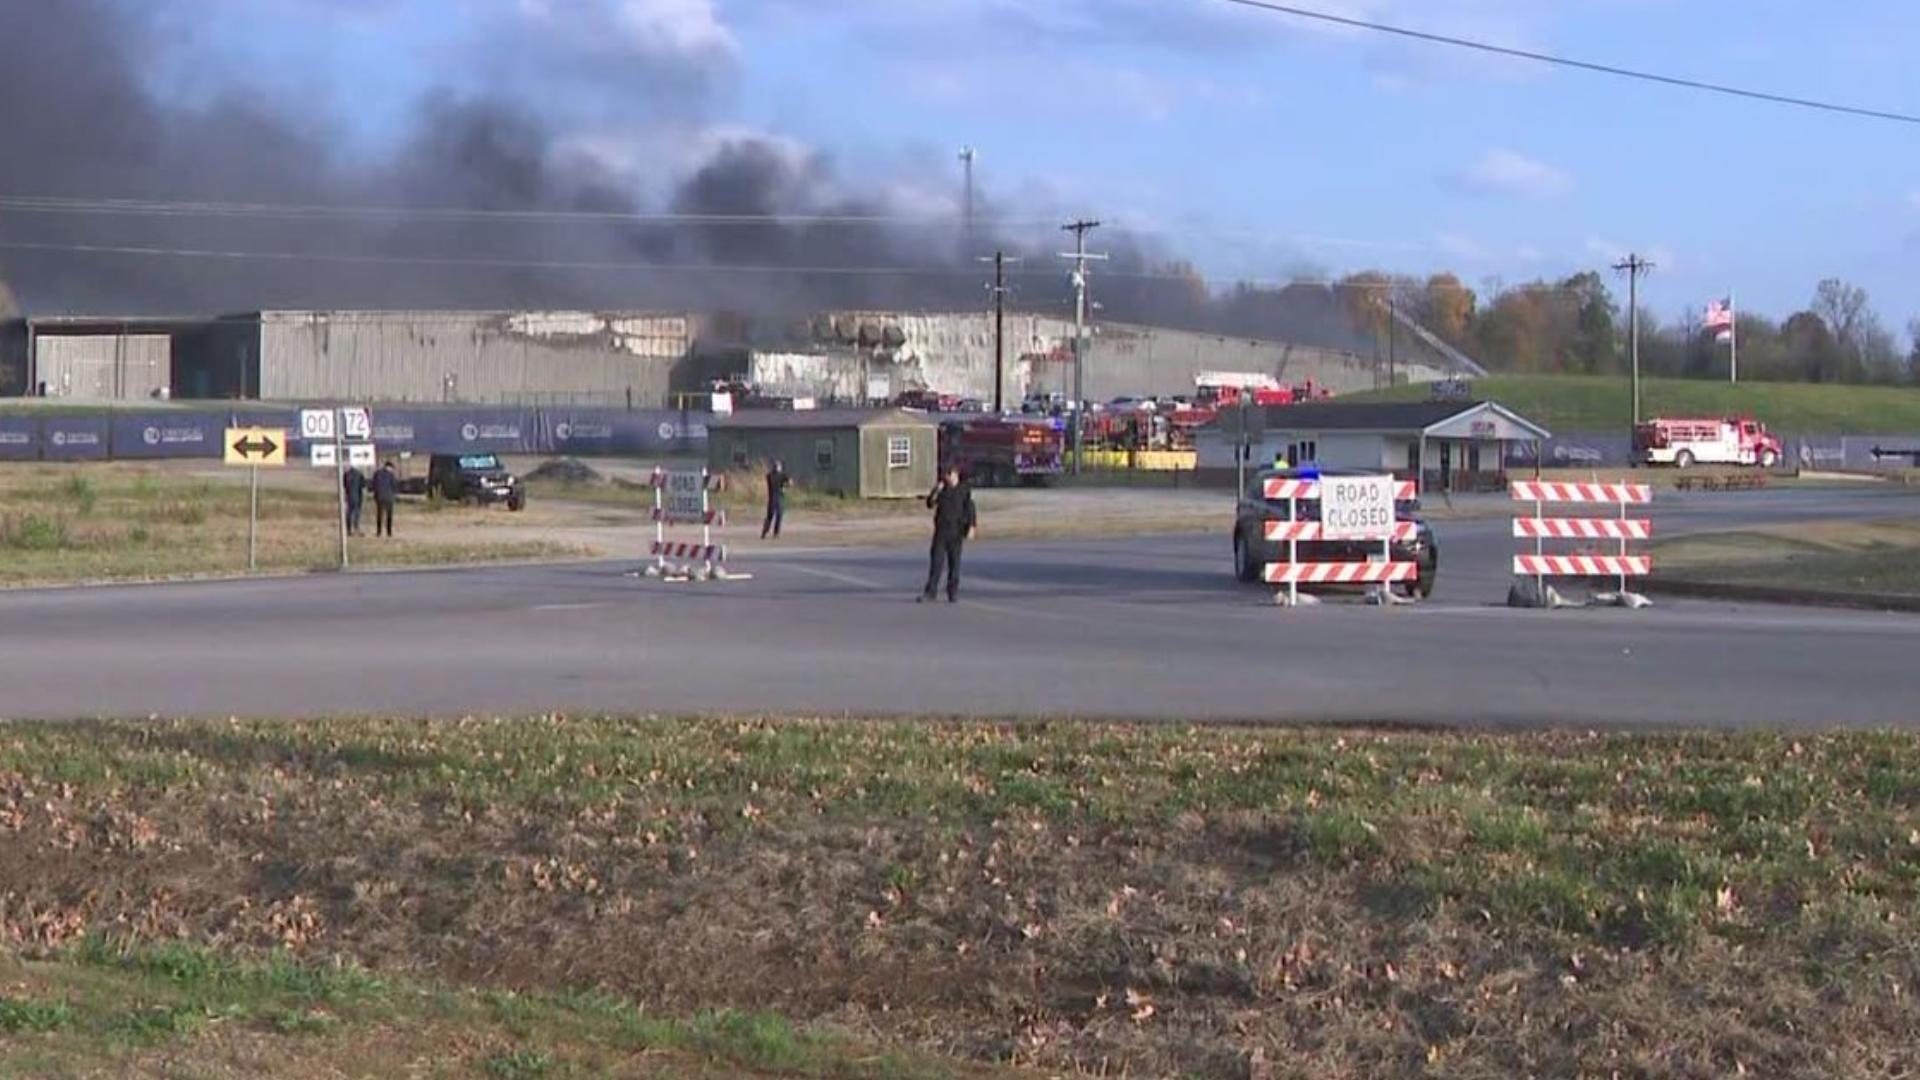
1151, 628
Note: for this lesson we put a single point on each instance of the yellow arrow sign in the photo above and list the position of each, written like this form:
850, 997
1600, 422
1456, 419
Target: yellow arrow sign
255, 446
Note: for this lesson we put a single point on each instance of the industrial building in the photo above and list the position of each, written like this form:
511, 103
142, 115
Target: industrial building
90, 358
1447, 445
873, 356
443, 357
870, 453
503, 358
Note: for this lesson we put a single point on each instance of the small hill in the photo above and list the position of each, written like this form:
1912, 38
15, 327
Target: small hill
1602, 403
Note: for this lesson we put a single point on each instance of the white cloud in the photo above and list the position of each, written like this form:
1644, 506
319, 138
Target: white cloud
676, 27
1508, 172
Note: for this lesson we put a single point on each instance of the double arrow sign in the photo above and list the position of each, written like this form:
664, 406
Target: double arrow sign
255, 446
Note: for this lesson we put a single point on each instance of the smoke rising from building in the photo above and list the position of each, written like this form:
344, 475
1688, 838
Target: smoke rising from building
81, 124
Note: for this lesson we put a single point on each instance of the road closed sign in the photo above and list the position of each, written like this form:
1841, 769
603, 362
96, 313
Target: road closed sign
686, 495
1356, 507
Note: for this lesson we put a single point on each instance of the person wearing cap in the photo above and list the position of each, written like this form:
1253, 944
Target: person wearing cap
954, 521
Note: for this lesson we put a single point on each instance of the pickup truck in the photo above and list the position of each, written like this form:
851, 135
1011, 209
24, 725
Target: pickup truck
476, 478
1252, 551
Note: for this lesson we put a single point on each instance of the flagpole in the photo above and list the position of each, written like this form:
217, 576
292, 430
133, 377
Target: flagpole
1733, 340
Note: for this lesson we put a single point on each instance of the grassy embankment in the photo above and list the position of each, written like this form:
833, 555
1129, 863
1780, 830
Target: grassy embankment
1878, 557
568, 897
120, 521
1565, 403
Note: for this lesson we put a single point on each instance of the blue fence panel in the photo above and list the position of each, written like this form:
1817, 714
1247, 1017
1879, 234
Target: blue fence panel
75, 438
165, 435
19, 438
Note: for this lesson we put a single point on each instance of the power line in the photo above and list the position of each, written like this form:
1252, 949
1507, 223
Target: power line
39, 204
154, 251
1582, 65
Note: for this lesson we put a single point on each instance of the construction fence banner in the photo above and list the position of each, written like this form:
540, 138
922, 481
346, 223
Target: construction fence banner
195, 433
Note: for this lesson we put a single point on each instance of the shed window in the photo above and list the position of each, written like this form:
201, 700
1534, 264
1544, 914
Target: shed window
899, 452
739, 454
823, 454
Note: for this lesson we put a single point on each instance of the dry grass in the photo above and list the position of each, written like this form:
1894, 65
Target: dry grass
1848, 556
94, 522
1138, 900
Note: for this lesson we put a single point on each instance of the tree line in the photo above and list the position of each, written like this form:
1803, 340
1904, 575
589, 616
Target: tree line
1577, 326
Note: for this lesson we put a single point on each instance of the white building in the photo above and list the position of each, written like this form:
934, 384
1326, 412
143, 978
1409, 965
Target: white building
1447, 445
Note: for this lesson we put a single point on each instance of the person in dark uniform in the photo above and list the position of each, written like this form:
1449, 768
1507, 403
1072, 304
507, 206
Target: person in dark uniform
355, 483
777, 480
953, 522
386, 488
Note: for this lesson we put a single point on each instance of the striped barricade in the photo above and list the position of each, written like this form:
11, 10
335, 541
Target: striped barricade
1384, 526
685, 497
1620, 530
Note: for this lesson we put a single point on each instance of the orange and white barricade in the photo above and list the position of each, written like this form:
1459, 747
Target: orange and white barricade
1617, 531
685, 497
1351, 508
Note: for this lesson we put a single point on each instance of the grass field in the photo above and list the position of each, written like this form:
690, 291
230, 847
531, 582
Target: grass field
1602, 403
549, 896
119, 521
1881, 557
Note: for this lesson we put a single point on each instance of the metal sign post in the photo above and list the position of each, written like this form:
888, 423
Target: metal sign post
254, 447
253, 518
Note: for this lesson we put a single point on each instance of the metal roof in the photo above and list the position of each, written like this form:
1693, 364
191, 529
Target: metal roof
807, 419
1381, 416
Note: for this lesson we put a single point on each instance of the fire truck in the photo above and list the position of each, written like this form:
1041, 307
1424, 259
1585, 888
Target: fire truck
1687, 441
1000, 451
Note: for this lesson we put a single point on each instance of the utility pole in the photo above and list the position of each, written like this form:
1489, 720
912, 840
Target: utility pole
1633, 266
1390, 319
1079, 255
999, 290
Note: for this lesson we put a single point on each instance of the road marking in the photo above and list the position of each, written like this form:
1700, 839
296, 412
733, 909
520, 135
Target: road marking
568, 607
835, 575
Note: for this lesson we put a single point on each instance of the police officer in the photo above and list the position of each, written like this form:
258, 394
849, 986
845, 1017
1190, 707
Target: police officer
953, 522
777, 480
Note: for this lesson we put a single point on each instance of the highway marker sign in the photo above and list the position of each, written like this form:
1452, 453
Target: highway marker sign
361, 455
317, 425
255, 446
356, 422
323, 455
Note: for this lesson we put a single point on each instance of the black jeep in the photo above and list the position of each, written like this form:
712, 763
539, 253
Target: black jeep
476, 478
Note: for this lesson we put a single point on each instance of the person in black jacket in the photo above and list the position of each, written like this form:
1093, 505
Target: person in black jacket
355, 489
386, 488
777, 480
953, 522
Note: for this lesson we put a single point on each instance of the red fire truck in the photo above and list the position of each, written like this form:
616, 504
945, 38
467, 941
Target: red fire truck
1686, 441
1000, 451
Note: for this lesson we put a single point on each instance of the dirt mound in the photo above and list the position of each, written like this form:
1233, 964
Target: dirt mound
566, 471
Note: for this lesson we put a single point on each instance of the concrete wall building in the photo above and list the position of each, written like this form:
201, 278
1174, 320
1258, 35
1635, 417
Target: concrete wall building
494, 358
851, 354
873, 454
87, 358
1447, 445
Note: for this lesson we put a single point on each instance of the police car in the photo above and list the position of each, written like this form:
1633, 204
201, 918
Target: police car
1252, 551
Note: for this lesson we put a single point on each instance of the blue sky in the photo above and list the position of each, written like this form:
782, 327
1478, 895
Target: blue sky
1261, 146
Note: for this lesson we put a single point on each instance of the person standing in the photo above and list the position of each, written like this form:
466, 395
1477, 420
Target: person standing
777, 480
954, 521
355, 483
386, 488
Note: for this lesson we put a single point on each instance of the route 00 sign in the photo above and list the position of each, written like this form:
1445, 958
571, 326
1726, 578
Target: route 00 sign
684, 495
1356, 507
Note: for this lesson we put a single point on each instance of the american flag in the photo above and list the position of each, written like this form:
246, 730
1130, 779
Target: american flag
1719, 320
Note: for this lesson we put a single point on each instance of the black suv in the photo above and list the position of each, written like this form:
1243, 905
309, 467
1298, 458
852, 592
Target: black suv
1252, 551
477, 478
